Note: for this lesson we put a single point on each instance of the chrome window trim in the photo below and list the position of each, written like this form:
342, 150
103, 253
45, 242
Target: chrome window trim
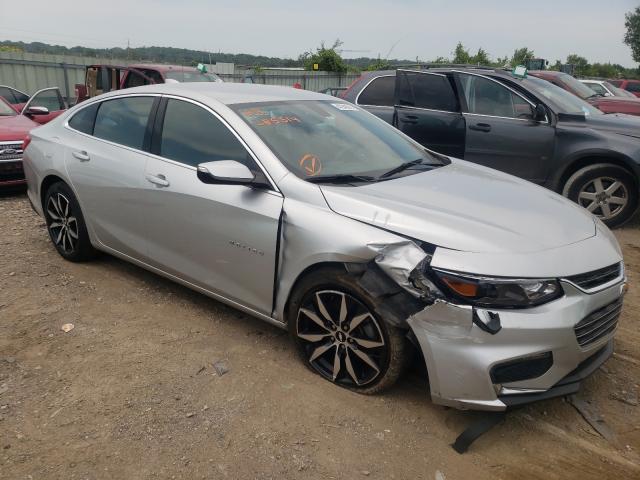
366, 86
428, 109
546, 119
149, 154
496, 116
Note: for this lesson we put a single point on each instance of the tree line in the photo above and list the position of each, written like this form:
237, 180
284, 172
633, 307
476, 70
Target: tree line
327, 58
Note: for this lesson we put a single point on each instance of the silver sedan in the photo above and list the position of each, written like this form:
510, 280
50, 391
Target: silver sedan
313, 215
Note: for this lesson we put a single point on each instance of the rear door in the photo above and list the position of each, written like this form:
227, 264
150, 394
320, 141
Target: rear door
427, 110
377, 97
501, 131
106, 158
49, 98
219, 237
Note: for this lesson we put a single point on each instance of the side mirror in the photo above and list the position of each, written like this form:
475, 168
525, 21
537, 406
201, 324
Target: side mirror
225, 172
37, 111
539, 113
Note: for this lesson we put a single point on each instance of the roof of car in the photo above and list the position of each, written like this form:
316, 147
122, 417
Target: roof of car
228, 93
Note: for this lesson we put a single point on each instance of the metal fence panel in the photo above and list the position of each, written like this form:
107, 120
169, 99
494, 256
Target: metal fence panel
30, 72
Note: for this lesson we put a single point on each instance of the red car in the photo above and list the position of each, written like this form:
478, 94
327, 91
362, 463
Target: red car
632, 86
15, 127
105, 78
630, 106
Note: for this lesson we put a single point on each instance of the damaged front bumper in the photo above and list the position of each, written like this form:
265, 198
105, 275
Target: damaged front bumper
536, 350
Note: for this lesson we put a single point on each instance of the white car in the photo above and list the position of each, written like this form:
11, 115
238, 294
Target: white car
606, 89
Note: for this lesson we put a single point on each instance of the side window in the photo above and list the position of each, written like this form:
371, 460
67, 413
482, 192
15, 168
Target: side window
49, 98
134, 79
487, 97
192, 135
379, 92
596, 87
20, 97
7, 94
633, 87
84, 120
426, 90
153, 75
123, 120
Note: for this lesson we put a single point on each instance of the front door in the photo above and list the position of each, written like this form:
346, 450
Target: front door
49, 98
501, 130
427, 110
219, 237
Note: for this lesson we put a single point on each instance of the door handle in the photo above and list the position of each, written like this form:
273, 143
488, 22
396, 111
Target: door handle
410, 119
480, 127
82, 156
159, 180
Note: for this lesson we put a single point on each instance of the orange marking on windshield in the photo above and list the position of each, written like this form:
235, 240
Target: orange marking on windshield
310, 164
265, 122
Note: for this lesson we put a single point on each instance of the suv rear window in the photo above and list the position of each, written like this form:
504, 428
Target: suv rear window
426, 90
379, 92
633, 86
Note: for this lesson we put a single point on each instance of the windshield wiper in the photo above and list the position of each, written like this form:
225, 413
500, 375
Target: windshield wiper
340, 178
402, 167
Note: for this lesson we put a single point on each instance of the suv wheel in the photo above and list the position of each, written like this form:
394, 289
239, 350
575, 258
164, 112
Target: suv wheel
65, 224
341, 337
608, 191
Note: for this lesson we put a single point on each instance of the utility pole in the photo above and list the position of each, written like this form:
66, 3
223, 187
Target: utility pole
128, 50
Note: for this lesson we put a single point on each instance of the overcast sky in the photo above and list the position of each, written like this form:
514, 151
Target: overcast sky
409, 28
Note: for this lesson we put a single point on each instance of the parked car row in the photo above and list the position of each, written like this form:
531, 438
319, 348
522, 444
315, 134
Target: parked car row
311, 214
527, 127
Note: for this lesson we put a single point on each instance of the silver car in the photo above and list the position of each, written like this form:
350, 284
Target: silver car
315, 216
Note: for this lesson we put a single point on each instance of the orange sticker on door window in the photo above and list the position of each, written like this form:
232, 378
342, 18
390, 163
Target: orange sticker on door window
310, 165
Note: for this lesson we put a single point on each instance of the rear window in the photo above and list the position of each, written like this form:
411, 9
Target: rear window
426, 90
379, 92
123, 120
83, 120
633, 87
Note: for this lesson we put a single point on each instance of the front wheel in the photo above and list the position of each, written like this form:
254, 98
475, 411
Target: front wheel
341, 337
608, 191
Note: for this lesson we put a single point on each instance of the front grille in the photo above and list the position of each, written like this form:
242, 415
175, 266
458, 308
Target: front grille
10, 151
598, 324
11, 171
596, 278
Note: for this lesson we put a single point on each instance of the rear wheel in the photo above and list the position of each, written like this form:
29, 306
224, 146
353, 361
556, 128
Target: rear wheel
341, 337
608, 191
65, 224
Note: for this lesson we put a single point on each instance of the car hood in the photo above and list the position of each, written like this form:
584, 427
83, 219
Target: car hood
15, 127
612, 122
466, 207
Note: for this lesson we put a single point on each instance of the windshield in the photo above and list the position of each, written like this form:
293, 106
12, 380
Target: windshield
189, 76
6, 110
564, 101
577, 86
327, 139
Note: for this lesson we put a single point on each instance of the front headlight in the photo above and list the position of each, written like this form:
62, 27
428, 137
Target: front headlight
500, 292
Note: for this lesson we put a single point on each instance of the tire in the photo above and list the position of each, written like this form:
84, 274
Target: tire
608, 191
320, 341
66, 225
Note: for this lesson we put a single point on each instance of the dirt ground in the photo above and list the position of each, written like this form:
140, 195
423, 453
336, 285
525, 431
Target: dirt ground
131, 391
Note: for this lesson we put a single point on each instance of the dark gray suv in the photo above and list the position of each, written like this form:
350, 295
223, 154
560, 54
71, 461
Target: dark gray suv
523, 126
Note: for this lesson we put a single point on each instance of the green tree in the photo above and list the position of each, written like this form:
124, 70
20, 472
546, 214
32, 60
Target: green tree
521, 55
328, 59
461, 55
581, 64
632, 35
480, 58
